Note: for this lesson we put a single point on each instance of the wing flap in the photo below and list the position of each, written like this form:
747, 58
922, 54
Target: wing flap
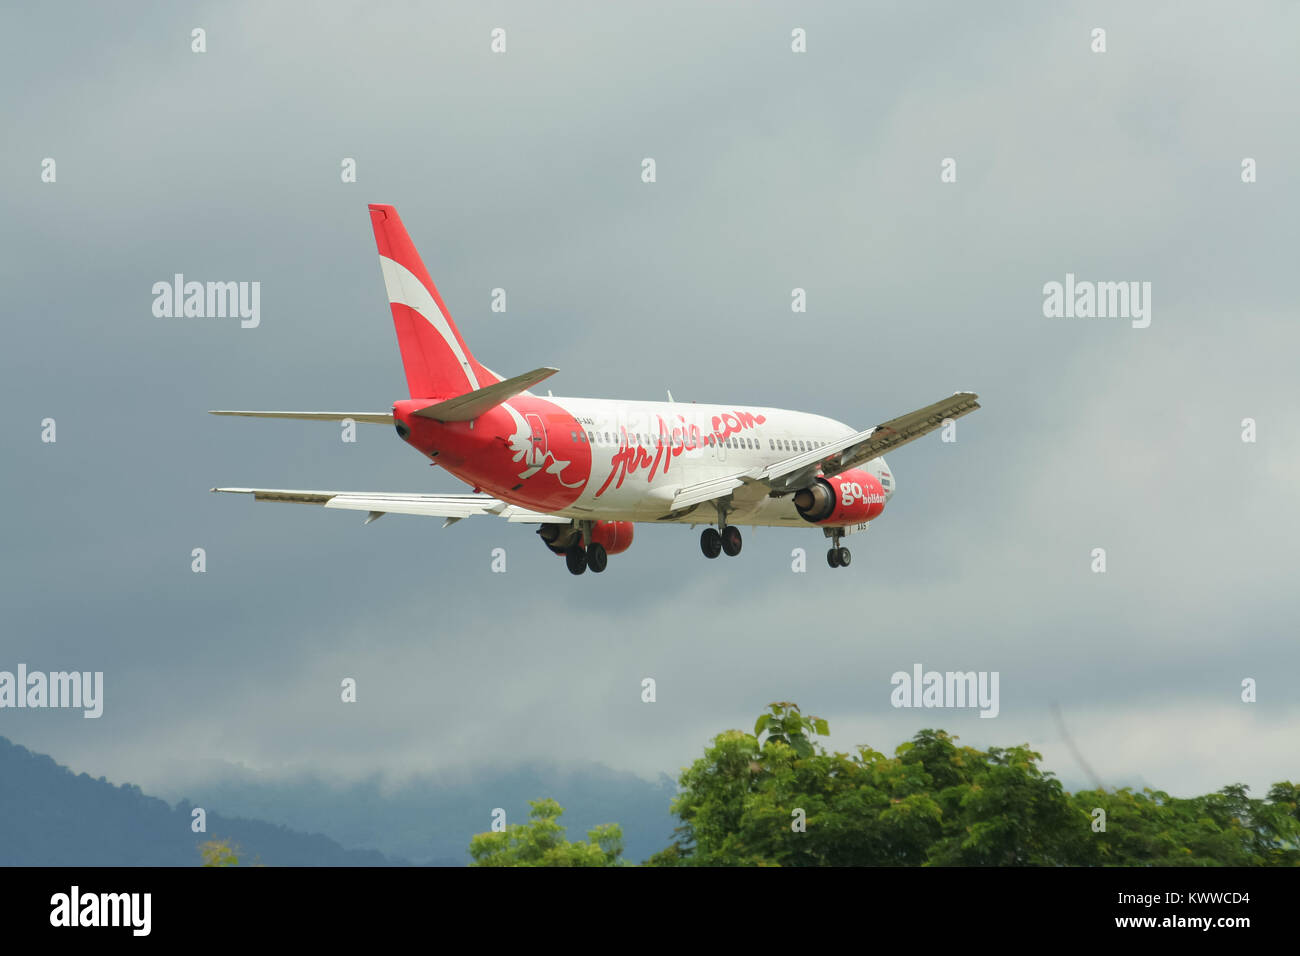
898, 432
706, 491
378, 503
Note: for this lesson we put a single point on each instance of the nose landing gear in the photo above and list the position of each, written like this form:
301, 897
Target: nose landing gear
838, 557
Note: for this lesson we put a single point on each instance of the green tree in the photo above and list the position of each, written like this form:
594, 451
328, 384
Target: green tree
785, 725
541, 842
1227, 828
778, 798
219, 853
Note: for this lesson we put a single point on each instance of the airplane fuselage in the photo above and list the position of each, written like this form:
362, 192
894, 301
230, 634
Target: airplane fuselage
622, 460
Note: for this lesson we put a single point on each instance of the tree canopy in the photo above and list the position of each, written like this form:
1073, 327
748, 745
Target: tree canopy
776, 797
541, 842
219, 853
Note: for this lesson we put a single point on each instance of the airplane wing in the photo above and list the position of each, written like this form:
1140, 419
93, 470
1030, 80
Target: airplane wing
370, 418
379, 503
795, 472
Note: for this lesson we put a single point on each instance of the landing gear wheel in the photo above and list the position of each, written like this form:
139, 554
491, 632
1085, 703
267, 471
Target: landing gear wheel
597, 558
833, 557
711, 543
576, 558
731, 540
846, 558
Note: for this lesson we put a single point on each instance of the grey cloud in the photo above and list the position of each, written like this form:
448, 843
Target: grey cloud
775, 171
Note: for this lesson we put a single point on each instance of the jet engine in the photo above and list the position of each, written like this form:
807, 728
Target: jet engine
851, 497
614, 536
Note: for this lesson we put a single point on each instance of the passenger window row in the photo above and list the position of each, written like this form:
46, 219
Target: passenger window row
736, 441
793, 444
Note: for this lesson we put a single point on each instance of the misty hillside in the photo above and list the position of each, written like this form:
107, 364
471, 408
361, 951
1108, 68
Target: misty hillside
431, 818
50, 816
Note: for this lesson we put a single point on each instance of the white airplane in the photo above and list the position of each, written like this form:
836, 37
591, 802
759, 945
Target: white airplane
586, 470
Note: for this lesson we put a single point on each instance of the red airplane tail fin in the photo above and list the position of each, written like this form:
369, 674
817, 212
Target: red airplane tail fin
437, 361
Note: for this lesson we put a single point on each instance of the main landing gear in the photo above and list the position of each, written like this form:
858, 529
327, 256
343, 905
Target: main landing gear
725, 537
593, 557
577, 558
838, 557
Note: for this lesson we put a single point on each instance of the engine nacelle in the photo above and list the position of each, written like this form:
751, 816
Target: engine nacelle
614, 536
851, 497
557, 537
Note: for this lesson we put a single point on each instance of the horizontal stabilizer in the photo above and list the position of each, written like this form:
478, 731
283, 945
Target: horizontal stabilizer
473, 404
371, 418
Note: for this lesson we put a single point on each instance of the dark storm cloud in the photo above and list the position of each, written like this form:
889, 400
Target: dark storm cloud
775, 171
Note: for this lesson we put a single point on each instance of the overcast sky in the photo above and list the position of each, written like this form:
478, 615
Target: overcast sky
775, 170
